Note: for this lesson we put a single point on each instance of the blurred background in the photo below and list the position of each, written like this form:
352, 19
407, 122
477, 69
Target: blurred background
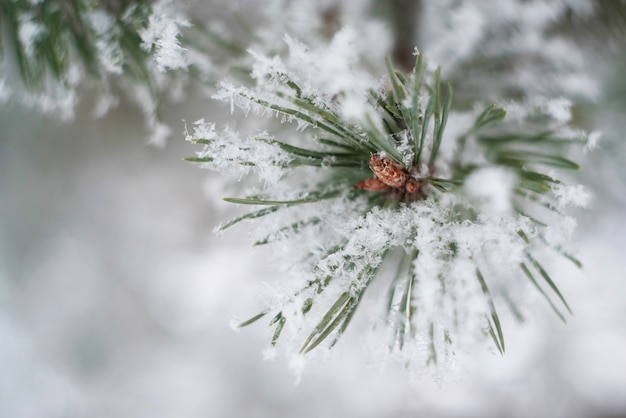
116, 298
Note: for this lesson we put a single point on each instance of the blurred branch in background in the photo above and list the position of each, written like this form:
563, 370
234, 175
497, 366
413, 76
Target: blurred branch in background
52, 51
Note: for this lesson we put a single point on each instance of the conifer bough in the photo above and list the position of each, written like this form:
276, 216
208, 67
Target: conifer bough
51, 49
371, 183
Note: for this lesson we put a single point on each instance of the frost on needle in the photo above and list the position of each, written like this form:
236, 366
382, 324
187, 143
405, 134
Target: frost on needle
456, 212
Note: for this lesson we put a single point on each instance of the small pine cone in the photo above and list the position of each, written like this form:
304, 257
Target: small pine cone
388, 171
372, 184
411, 185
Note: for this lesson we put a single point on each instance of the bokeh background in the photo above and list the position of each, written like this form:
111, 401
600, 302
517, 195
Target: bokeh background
116, 298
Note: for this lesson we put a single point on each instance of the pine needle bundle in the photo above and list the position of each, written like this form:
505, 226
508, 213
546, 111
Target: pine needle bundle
370, 175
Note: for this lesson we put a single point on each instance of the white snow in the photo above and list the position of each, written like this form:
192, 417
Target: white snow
162, 34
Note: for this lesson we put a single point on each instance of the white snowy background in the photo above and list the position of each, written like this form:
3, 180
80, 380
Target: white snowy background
116, 298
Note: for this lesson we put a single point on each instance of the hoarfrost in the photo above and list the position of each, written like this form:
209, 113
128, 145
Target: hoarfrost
592, 141
574, 195
159, 133
29, 32
110, 54
491, 188
228, 152
161, 36
558, 233
329, 77
559, 109
460, 244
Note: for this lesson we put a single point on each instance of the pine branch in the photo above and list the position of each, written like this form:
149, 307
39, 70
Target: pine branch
425, 202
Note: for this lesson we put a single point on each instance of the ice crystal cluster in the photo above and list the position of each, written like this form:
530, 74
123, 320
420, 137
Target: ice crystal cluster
380, 179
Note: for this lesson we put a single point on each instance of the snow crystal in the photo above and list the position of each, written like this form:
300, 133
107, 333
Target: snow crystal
490, 188
592, 141
559, 233
355, 107
110, 54
559, 109
267, 69
159, 134
238, 96
29, 33
297, 362
161, 36
574, 195
233, 154
104, 103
